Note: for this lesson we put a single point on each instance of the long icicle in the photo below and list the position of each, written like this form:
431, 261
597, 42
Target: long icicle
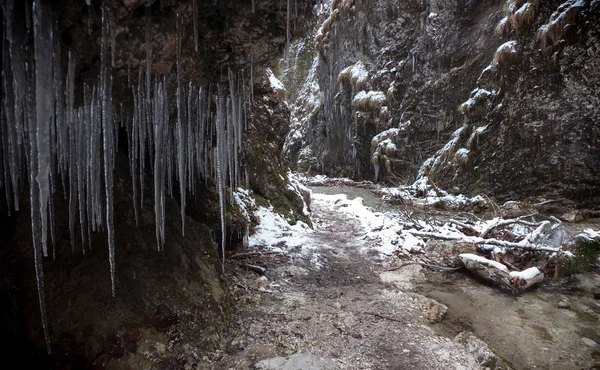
181, 147
40, 147
107, 127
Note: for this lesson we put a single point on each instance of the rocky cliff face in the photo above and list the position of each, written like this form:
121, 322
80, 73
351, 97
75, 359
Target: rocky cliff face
495, 97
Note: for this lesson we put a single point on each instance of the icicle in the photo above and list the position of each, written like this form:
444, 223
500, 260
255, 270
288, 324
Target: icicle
180, 130
113, 43
221, 169
253, 6
82, 162
252, 77
133, 144
195, 15
148, 118
105, 97
288, 34
34, 121
90, 17
141, 131
59, 109
44, 111
159, 175
190, 144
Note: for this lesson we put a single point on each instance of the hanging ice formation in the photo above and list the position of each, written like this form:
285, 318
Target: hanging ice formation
73, 147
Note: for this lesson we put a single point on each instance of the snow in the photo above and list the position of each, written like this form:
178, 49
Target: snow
478, 95
483, 260
462, 152
274, 82
510, 46
369, 99
357, 74
527, 274
589, 234
392, 132
523, 9
274, 232
563, 11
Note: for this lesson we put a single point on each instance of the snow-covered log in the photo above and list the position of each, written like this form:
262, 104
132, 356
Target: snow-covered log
498, 274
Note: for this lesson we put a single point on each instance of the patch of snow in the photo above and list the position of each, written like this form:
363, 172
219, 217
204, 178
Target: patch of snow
274, 232
483, 260
356, 73
509, 46
462, 153
381, 232
523, 9
369, 98
274, 81
527, 274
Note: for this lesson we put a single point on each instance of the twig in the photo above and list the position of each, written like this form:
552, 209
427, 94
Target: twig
495, 206
442, 268
518, 220
254, 268
249, 254
383, 317
463, 225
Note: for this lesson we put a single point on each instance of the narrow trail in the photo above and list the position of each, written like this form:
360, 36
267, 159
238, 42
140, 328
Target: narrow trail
330, 303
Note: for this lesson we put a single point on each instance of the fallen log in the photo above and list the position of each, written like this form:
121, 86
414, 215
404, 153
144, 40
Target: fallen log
498, 274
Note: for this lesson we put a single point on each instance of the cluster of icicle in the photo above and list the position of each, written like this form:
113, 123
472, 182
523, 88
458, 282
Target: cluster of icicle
61, 145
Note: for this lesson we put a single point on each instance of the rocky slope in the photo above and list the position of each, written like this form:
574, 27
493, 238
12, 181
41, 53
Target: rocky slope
495, 97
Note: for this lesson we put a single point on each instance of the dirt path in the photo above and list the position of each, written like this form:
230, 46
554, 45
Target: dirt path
332, 304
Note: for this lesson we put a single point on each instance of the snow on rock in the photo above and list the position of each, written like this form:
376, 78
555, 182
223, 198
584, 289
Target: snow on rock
356, 74
422, 194
563, 12
274, 232
387, 134
323, 32
276, 85
462, 152
478, 96
369, 100
509, 46
523, 9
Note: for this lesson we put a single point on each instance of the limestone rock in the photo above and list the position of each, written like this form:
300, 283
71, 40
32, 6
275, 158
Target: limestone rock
298, 361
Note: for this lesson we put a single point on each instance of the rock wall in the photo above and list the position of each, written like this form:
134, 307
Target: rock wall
529, 122
175, 300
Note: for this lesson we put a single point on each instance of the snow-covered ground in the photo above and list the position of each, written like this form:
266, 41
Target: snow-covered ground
386, 232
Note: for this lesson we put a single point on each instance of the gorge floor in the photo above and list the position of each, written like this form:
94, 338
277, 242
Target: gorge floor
329, 298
